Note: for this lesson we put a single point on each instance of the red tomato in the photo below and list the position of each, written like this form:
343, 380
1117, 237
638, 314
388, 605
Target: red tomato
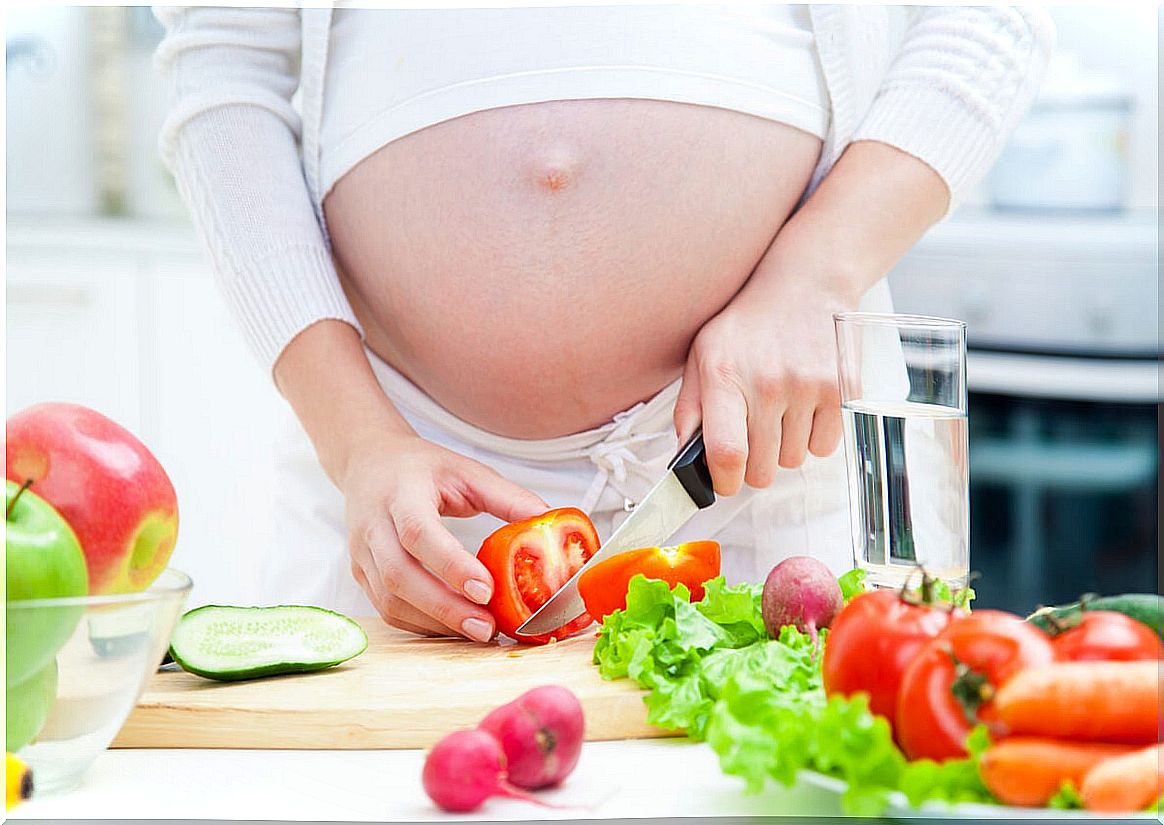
1107, 635
872, 641
603, 587
948, 687
529, 560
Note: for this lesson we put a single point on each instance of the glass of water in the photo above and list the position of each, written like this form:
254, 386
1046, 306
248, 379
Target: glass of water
903, 400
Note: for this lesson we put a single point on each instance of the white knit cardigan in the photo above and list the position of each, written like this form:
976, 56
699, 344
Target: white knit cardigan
945, 84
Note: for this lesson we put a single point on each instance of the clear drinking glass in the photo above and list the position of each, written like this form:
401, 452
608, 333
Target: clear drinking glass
903, 400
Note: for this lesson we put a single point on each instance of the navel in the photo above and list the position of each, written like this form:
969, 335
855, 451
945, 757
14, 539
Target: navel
555, 170
556, 180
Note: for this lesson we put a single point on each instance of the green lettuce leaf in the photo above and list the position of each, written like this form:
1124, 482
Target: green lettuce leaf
1066, 798
852, 583
959, 598
664, 642
955, 780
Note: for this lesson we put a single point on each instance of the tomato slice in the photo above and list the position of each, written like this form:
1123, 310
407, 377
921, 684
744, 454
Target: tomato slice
603, 587
947, 689
872, 641
529, 560
1107, 635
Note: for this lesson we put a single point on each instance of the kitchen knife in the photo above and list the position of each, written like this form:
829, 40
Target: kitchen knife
684, 490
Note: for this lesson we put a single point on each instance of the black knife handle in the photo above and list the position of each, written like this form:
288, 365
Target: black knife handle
690, 467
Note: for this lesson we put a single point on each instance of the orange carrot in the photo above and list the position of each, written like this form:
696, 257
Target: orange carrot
1126, 783
1090, 701
1029, 771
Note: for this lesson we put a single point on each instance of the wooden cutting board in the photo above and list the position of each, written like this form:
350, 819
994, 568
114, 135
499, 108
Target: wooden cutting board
402, 692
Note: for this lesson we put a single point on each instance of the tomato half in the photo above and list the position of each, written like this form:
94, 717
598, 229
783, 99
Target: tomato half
529, 560
948, 687
1107, 635
603, 587
872, 641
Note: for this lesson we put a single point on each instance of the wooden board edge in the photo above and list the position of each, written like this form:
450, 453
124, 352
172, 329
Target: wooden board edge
190, 728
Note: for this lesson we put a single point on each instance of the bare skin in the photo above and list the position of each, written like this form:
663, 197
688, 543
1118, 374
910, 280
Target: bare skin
550, 220
587, 242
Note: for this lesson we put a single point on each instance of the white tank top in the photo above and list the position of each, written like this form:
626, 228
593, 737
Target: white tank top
391, 72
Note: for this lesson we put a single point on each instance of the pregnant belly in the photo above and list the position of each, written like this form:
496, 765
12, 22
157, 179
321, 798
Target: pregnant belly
536, 269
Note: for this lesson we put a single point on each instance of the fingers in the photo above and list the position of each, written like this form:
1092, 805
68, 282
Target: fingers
826, 429
371, 586
795, 429
406, 617
774, 421
393, 611
725, 429
401, 575
491, 492
764, 433
688, 411
418, 529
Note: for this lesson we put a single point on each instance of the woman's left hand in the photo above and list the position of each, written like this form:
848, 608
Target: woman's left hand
762, 377
762, 374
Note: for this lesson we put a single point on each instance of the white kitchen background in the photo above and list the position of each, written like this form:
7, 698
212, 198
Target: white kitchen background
111, 302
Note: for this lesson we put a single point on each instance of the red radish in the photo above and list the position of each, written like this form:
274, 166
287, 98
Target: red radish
541, 734
466, 768
800, 591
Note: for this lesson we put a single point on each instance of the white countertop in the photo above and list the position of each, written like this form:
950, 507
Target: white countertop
633, 779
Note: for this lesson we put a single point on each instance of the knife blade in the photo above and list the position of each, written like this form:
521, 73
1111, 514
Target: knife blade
683, 491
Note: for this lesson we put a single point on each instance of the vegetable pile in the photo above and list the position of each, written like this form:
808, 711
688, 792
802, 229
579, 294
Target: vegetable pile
912, 692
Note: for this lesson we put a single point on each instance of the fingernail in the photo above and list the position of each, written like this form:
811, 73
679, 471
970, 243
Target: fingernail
478, 591
477, 629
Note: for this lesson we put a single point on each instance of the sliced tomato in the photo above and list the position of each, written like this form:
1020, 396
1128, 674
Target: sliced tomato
1106, 635
948, 687
529, 560
872, 641
603, 587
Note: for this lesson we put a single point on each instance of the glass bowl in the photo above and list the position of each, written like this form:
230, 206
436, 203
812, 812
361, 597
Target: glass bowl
75, 668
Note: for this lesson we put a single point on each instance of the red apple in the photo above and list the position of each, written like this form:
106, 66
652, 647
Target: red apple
107, 486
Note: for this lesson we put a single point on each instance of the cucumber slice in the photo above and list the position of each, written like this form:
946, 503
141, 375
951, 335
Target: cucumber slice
234, 643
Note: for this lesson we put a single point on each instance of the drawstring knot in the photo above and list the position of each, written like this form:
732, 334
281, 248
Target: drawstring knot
617, 458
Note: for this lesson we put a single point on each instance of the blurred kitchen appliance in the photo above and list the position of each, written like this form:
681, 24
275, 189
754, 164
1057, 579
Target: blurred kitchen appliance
1063, 372
1070, 152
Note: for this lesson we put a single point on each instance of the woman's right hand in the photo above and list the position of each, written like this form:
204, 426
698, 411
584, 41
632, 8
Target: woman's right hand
417, 575
396, 487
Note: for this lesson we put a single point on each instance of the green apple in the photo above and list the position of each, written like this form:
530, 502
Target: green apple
28, 705
43, 560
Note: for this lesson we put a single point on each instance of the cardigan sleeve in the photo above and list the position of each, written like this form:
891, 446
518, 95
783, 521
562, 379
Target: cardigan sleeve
230, 138
958, 86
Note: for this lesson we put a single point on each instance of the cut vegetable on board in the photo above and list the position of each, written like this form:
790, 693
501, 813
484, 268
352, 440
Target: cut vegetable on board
235, 643
529, 560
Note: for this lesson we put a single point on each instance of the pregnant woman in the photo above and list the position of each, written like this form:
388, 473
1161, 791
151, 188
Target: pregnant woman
498, 260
